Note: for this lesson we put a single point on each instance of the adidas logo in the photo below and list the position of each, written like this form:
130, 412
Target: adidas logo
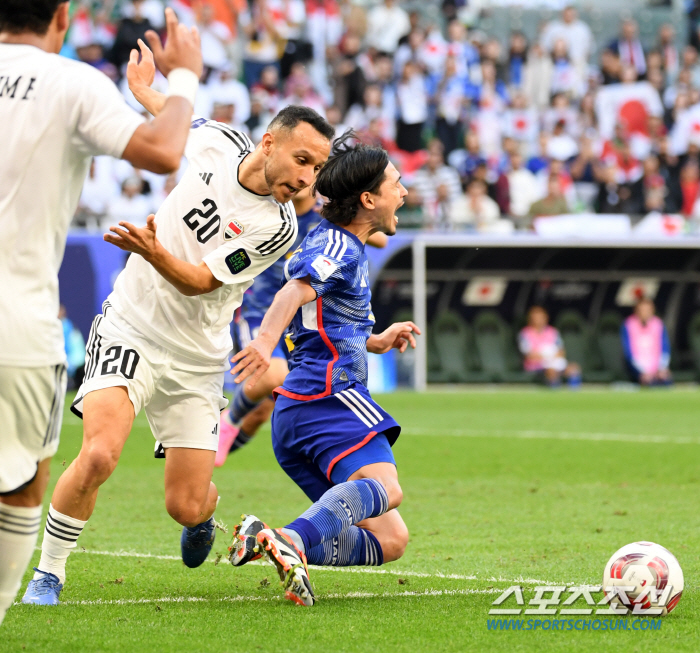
206, 176
363, 283
343, 376
216, 430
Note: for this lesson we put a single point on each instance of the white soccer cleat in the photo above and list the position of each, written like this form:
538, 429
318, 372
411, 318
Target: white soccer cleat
291, 566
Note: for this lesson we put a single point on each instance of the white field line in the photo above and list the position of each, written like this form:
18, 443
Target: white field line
554, 435
344, 570
237, 599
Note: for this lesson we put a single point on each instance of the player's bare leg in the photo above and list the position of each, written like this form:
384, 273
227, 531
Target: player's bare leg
108, 415
190, 499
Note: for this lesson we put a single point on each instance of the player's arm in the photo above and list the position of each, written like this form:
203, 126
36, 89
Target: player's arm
158, 146
398, 336
254, 360
189, 279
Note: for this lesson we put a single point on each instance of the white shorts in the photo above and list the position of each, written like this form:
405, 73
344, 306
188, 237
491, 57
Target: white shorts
182, 399
31, 411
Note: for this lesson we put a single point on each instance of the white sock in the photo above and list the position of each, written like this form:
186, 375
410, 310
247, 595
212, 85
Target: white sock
19, 528
60, 538
295, 537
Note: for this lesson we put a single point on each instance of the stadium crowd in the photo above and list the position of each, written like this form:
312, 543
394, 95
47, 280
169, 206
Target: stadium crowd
487, 135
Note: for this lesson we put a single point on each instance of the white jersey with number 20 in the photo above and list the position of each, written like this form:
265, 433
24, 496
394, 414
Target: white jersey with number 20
209, 217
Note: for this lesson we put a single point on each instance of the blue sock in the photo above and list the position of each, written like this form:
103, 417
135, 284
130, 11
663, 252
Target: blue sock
355, 546
241, 405
339, 508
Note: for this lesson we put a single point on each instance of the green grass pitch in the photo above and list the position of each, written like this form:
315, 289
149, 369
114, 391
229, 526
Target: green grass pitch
498, 486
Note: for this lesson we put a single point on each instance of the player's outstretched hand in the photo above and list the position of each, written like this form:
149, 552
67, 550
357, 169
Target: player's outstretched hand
182, 47
252, 362
140, 74
398, 336
139, 240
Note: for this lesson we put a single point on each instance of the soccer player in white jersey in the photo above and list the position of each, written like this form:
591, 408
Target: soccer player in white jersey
55, 114
163, 339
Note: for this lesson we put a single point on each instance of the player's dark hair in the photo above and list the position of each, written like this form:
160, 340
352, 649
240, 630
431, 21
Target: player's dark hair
17, 16
352, 169
292, 115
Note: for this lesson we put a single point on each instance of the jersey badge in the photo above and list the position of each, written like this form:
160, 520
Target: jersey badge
206, 177
233, 230
324, 266
238, 261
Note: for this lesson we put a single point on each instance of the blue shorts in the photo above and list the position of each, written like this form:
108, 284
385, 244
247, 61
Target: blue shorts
244, 330
322, 442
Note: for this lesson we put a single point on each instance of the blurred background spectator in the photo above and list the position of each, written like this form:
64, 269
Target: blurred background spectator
548, 118
646, 345
75, 349
543, 350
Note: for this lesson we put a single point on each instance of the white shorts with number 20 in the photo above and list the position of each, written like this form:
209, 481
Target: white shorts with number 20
182, 399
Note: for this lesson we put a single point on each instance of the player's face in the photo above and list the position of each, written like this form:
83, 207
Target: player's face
388, 201
294, 159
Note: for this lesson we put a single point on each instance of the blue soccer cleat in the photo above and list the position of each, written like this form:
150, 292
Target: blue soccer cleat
44, 590
196, 542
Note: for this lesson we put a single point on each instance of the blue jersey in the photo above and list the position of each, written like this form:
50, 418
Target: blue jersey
258, 298
329, 334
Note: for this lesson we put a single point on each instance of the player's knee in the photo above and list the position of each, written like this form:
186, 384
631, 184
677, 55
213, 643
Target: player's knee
395, 542
97, 465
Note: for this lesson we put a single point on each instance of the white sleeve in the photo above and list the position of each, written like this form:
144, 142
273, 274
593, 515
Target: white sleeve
209, 134
240, 260
105, 123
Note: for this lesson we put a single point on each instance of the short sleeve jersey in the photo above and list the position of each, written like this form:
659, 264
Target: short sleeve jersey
55, 114
209, 216
330, 333
258, 298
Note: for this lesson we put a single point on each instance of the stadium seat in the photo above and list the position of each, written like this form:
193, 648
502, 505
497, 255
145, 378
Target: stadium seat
576, 334
610, 344
496, 348
453, 341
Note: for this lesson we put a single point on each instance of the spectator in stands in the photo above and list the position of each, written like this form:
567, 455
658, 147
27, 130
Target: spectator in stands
610, 67
575, 33
646, 345
566, 77
215, 37
129, 31
537, 75
412, 96
523, 190
387, 23
479, 210
543, 350
629, 48
438, 185
466, 160
130, 206
517, 58
553, 203
690, 185
449, 100
262, 40
350, 80
666, 45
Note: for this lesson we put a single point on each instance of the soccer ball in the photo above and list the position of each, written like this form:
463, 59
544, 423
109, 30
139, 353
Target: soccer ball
641, 565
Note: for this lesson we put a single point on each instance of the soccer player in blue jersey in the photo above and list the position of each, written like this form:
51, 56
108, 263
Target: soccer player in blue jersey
251, 407
328, 434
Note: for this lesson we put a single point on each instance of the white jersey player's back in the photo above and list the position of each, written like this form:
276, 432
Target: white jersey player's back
54, 115
209, 216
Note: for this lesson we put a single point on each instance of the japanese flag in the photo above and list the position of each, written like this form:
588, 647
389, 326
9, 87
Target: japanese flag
632, 290
485, 291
